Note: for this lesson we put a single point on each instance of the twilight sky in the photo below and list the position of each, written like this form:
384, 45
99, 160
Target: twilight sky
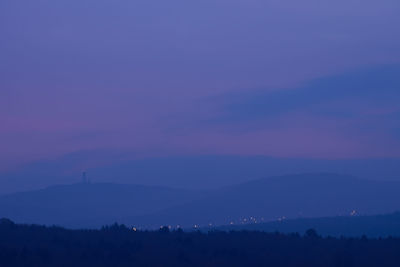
279, 78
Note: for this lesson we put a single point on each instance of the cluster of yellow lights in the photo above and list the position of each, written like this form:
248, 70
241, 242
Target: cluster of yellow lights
251, 219
282, 218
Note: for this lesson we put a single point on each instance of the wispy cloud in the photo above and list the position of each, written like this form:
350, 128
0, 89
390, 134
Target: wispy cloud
374, 91
354, 114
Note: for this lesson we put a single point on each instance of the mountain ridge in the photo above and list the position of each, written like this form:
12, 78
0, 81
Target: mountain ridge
290, 196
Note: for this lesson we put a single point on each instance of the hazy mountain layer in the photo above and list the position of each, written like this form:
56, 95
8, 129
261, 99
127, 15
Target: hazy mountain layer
356, 226
295, 196
89, 205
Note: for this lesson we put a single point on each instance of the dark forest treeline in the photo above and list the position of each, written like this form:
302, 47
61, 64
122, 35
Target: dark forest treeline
117, 245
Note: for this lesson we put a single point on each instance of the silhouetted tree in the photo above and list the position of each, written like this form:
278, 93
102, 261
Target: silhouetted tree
311, 233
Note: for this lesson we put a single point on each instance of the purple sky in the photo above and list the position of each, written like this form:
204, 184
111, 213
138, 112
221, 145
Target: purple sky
282, 78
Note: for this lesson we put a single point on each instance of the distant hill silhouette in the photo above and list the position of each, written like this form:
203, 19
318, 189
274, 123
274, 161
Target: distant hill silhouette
293, 196
349, 226
191, 172
89, 205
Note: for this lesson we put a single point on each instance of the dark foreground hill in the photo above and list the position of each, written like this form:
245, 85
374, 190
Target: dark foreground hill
24, 245
349, 226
